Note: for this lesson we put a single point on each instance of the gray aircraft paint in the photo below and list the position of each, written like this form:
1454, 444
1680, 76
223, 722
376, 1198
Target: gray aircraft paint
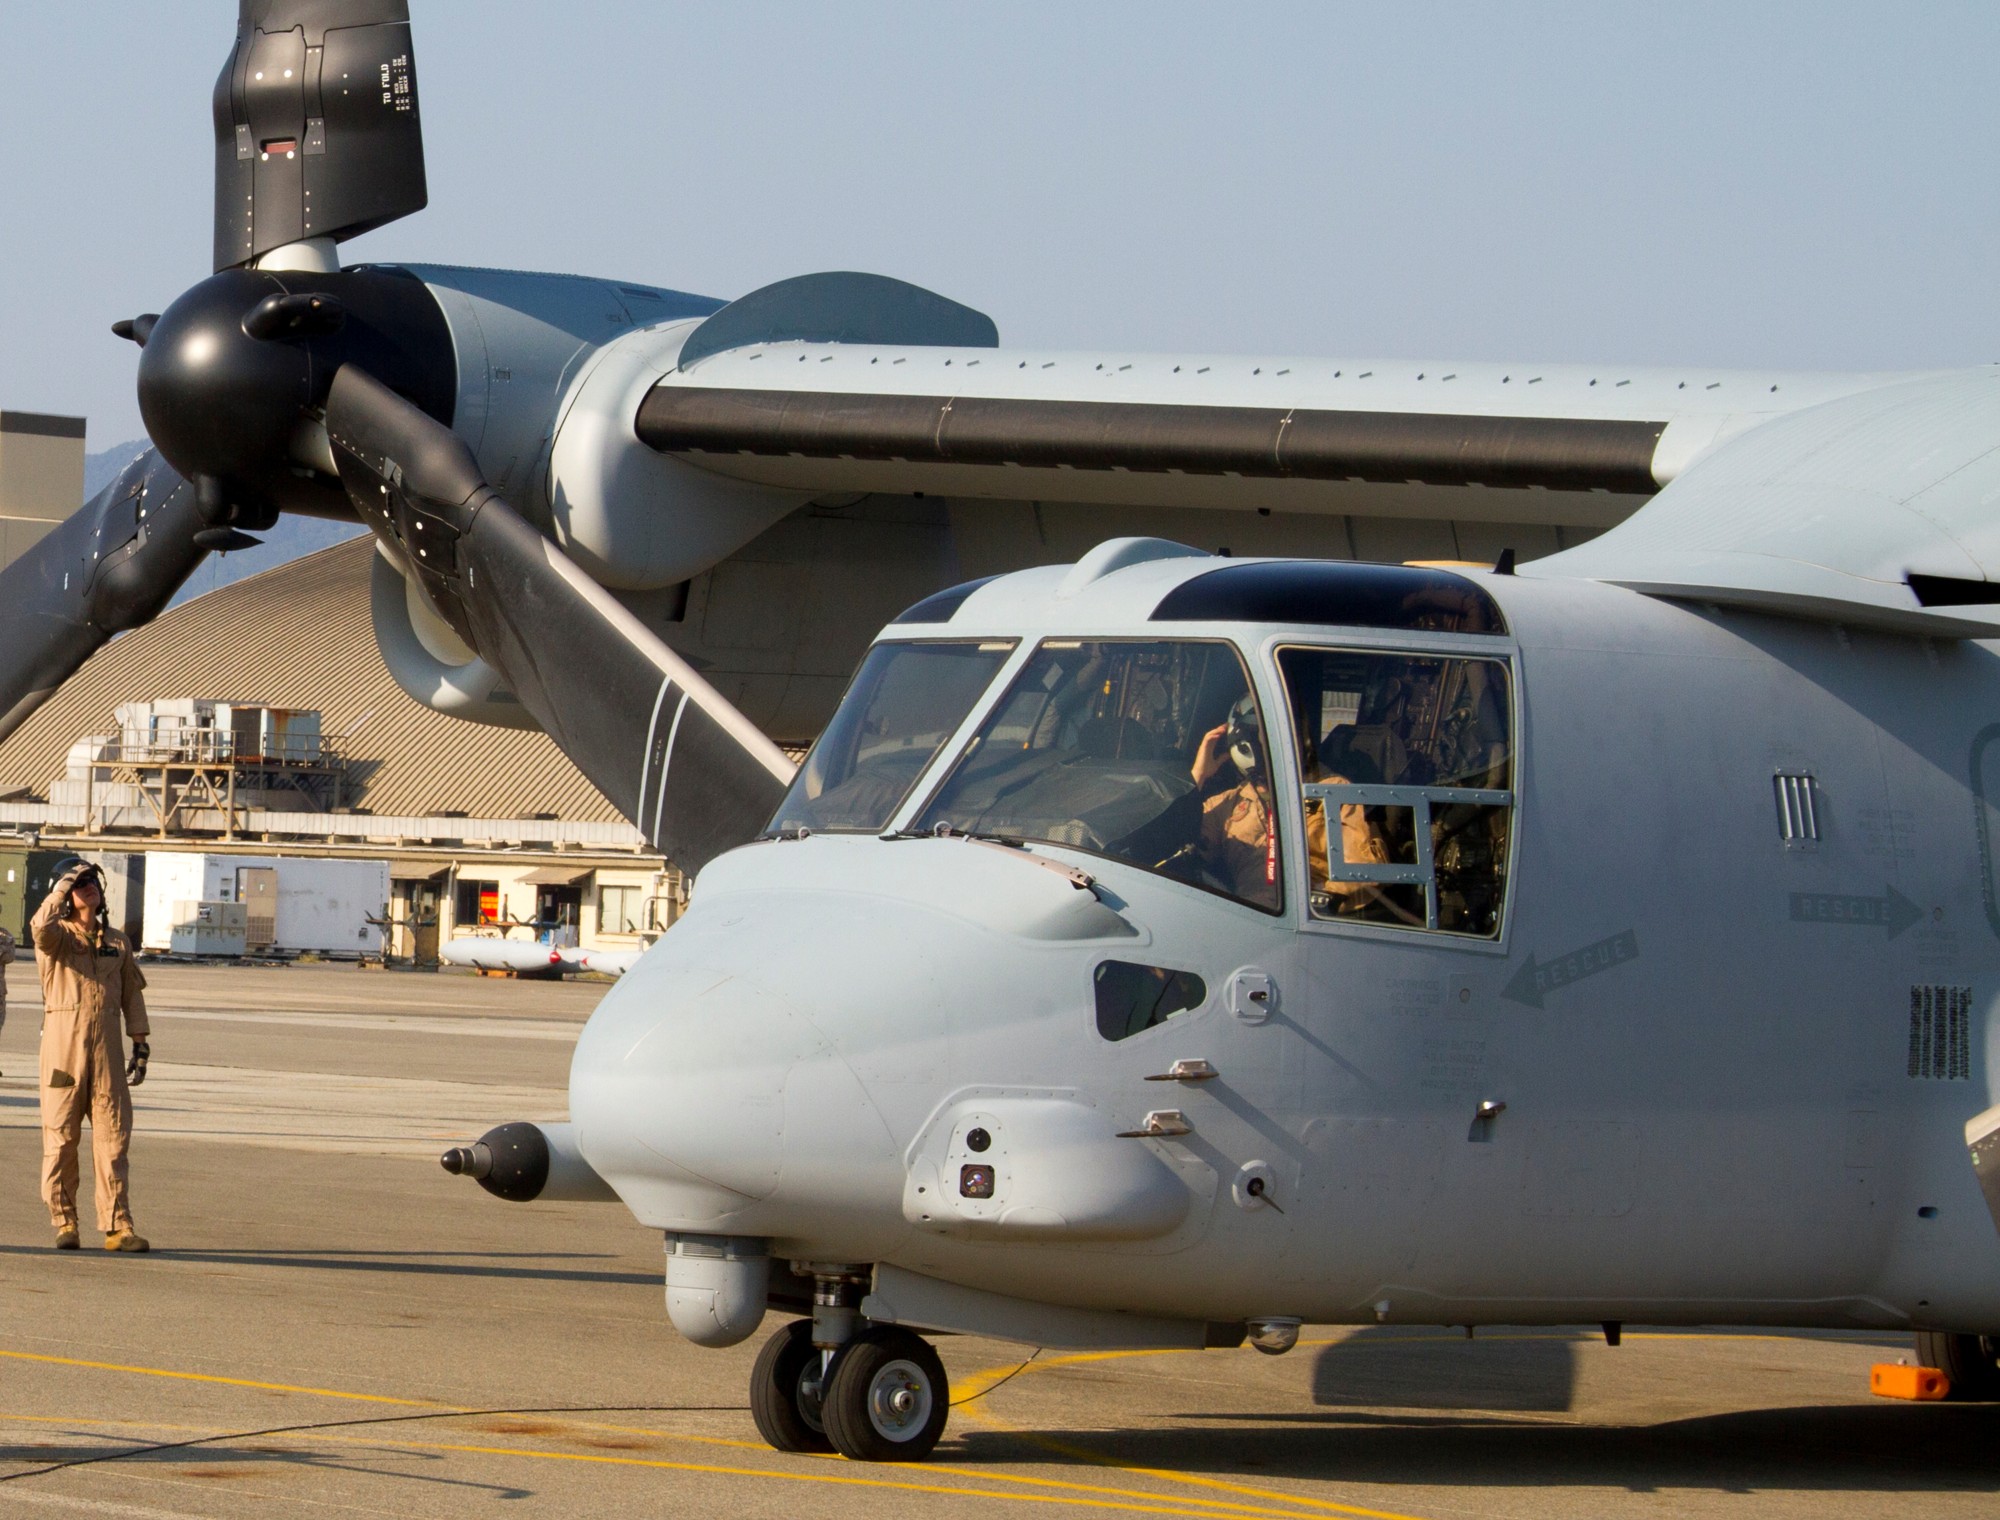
1891, 911
1730, 1136
1535, 981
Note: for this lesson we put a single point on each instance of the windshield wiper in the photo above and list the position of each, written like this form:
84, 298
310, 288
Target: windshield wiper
1083, 881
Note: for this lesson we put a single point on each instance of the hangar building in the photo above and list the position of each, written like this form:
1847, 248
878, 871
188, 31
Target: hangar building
477, 824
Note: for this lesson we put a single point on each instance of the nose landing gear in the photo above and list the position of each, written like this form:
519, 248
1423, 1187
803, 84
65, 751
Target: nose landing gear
888, 1398
873, 1393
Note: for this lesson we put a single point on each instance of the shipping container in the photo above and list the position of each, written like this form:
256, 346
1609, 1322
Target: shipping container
321, 906
14, 907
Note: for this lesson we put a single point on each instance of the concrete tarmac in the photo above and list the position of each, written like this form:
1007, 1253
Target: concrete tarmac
330, 1325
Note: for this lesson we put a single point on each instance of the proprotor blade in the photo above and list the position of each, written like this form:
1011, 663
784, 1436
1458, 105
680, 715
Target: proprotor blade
112, 566
317, 130
691, 771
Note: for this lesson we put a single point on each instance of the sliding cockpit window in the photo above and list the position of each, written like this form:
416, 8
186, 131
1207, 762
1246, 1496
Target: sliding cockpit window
904, 702
1149, 751
1407, 772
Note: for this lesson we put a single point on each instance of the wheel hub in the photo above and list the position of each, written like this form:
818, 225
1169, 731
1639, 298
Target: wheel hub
899, 1400
812, 1393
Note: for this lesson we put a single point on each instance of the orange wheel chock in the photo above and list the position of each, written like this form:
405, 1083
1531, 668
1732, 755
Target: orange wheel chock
1891, 1380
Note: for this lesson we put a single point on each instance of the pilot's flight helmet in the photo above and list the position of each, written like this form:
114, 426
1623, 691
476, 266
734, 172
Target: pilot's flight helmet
79, 865
1246, 737
86, 870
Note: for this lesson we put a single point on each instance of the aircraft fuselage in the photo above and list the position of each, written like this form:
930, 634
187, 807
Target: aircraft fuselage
1693, 1070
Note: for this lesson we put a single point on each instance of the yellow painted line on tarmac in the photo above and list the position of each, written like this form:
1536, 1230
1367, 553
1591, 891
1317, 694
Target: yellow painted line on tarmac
1215, 1509
1069, 1494
1085, 1495
227, 1382
979, 1382
1163, 1504
1222, 1508
992, 1375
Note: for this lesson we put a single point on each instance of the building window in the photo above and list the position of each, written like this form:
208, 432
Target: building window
478, 902
619, 910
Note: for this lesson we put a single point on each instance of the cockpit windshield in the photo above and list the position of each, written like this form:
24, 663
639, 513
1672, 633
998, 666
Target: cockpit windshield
1150, 751
905, 701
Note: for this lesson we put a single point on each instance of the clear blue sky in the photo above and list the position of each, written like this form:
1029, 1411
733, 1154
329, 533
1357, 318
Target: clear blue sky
1800, 185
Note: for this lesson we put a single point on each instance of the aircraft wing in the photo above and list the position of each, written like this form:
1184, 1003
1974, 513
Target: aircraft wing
927, 401
1876, 509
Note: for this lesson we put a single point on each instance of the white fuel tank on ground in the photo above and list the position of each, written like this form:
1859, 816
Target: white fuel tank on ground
485, 952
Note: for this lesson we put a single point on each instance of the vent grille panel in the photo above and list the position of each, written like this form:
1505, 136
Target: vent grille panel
1798, 807
1940, 1033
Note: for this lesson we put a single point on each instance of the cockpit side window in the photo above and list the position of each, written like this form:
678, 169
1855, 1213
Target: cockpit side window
1407, 773
904, 702
1147, 751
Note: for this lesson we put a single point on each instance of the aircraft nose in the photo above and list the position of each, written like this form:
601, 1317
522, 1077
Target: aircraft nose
688, 1067
682, 1081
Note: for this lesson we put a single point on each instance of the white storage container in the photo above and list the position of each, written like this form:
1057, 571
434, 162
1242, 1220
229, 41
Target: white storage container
321, 905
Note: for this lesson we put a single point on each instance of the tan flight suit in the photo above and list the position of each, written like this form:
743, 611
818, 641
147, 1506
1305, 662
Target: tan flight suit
85, 987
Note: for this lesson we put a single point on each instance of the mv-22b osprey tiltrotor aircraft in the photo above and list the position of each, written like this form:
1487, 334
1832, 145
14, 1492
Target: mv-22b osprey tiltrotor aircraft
1164, 948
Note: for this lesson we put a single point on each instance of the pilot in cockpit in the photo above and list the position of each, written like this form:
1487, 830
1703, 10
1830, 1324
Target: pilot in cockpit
1238, 841
1342, 758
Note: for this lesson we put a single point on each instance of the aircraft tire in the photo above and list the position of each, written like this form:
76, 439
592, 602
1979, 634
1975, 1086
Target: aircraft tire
786, 1416
1972, 1362
888, 1398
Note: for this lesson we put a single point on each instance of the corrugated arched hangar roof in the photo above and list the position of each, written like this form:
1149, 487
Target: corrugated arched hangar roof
300, 636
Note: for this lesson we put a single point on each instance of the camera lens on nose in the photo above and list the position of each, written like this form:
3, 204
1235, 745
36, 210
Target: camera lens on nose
977, 1140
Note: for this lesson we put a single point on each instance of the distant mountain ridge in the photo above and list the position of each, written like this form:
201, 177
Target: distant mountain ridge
292, 537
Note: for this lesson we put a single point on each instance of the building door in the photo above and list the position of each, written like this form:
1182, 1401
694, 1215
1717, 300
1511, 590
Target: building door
424, 899
561, 906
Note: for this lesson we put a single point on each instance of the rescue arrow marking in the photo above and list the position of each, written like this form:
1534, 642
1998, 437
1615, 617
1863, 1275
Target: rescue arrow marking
1892, 911
1533, 982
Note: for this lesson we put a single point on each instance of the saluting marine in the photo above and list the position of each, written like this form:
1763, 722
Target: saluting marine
89, 979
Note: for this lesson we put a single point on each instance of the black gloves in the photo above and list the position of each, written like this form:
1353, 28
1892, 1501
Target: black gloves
135, 1069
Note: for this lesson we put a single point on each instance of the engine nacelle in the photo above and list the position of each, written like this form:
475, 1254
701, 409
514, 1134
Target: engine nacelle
551, 372
634, 519
429, 660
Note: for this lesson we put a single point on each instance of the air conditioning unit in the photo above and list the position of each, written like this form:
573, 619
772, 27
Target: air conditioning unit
209, 928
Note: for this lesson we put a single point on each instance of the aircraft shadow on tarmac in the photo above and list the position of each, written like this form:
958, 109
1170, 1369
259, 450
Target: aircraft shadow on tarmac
1830, 1448
1375, 1368
1404, 1408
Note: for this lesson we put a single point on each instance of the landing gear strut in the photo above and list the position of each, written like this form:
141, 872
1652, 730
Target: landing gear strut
873, 1393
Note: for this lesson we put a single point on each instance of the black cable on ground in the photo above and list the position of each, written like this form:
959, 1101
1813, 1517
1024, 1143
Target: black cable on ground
1001, 1384
154, 1449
